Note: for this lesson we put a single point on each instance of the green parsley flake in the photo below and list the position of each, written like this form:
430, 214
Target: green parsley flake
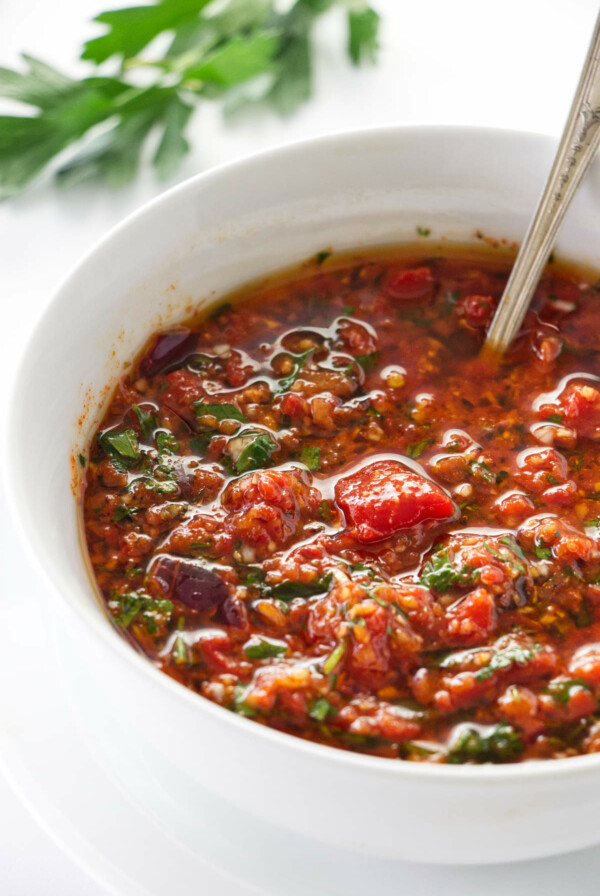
166, 441
310, 456
259, 648
219, 411
121, 445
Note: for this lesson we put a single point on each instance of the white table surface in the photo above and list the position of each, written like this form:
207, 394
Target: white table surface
512, 65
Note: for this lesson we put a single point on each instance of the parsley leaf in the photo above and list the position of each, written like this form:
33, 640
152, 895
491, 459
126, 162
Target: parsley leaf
417, 450
286, 382
166, 441
363, 26
259, 648
219, 411
121, 445
128, 606
123, 512
562, 691
513, 655
502, 744
334, 658
310, 456
368, 362
132, 29
440, 574
248, 51
290, 590
146, 420
320, 709
253, 450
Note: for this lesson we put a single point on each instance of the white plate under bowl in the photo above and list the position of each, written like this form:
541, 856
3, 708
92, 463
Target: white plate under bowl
190, 246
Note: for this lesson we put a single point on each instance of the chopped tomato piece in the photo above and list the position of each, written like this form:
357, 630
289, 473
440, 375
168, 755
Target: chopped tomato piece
581, 406
472, 619
384, 497
477, 310
414, 283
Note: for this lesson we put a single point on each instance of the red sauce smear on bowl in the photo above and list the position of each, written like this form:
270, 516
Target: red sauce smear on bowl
321, 510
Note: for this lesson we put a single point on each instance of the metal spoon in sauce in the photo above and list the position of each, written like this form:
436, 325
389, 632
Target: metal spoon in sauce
579, 141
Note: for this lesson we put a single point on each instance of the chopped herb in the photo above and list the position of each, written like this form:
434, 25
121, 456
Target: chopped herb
543, 553
514, 655
290, 590
373, 412
555, 418
417, 450
252, 577
199, 444
501, 476
362, 567
286, 382
256, 453
562, 691
594, 522
503, 744
219, 411
124, 513
320, 257
121, 445
440, 574
239, 702
180, 652
162, 486
320, 709
482, 470
147, 421
134, 603
259, 648
325, 511
412, 747
199, 362
552, 479
334, 658
513, 545
368, 362
424, 231
82, 460
348, 310
166, 441
514, 549
311, 457
201, 546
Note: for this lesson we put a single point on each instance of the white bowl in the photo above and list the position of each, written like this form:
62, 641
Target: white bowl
194, 243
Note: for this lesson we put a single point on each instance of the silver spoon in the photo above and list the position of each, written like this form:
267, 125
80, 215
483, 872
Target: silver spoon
579, 141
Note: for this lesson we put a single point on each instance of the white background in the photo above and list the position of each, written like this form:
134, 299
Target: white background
512, 65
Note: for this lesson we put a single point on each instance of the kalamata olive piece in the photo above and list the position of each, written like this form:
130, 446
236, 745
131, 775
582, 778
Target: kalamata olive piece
195, 586
168, 352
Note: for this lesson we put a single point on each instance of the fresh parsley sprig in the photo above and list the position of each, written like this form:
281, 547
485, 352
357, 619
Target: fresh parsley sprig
245, 51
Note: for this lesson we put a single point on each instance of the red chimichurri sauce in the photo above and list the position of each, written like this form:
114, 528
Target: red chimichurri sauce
320, 509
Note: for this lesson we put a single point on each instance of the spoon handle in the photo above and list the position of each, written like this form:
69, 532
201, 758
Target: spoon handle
576, 150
